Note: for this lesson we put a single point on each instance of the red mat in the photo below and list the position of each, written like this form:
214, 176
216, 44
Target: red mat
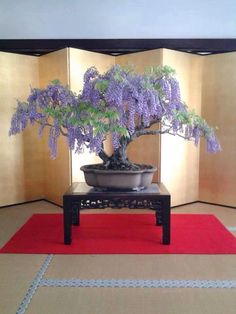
123, 234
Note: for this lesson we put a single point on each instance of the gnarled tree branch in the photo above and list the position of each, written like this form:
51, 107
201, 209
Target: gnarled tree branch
105, 158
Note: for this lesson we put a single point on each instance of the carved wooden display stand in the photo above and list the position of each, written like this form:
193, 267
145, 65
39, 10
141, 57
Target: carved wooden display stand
81, 196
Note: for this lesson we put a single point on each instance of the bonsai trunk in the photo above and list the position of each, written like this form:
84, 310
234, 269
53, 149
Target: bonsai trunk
119, 159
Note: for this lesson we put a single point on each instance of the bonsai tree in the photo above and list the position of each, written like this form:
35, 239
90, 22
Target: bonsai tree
119, 102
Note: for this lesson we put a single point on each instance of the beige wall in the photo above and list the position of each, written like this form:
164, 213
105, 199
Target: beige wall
145, 149
218, 172
21, 169
57, 173
80, 61
180, 159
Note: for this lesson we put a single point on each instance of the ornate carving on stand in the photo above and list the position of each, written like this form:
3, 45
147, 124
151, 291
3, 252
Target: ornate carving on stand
119, 203
116, 203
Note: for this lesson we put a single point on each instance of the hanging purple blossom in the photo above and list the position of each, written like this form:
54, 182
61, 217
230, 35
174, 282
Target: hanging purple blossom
115, 140
213, 145
52, 141
19, 119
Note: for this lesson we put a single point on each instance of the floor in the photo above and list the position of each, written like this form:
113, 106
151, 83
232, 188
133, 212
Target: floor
190, 284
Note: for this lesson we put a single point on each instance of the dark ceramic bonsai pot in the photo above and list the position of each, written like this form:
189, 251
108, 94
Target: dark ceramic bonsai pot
118, 179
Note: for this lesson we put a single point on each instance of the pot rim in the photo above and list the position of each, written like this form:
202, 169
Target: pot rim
110, 171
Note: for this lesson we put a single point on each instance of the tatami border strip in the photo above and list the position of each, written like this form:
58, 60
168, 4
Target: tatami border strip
126, 283
34, 285
231, 228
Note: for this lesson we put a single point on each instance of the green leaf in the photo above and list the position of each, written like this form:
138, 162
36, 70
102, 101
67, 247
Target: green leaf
112, 115
102, 85
55, 82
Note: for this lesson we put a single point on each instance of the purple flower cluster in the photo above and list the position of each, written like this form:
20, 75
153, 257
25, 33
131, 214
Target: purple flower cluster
19, 119
127, 93
213, 145
56, 107
115, 140
120, 102
53, 95
52, 140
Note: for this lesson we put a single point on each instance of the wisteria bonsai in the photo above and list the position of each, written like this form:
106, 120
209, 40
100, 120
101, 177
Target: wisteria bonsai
119, 102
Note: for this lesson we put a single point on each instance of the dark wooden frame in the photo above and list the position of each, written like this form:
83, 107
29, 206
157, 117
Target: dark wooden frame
119, 46
80, 196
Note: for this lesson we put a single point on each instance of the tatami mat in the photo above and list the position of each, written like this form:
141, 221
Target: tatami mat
143, 267
226, 215
13, 217
133, 301
16, 274
18, 271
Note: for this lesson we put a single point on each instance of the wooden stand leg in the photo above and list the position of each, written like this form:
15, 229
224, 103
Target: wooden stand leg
166, 220
158, 216
76, 214
67, 210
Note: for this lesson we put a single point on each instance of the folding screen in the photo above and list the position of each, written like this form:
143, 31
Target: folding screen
218, 172
21, 168
57, 173
179, 158
207, 84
